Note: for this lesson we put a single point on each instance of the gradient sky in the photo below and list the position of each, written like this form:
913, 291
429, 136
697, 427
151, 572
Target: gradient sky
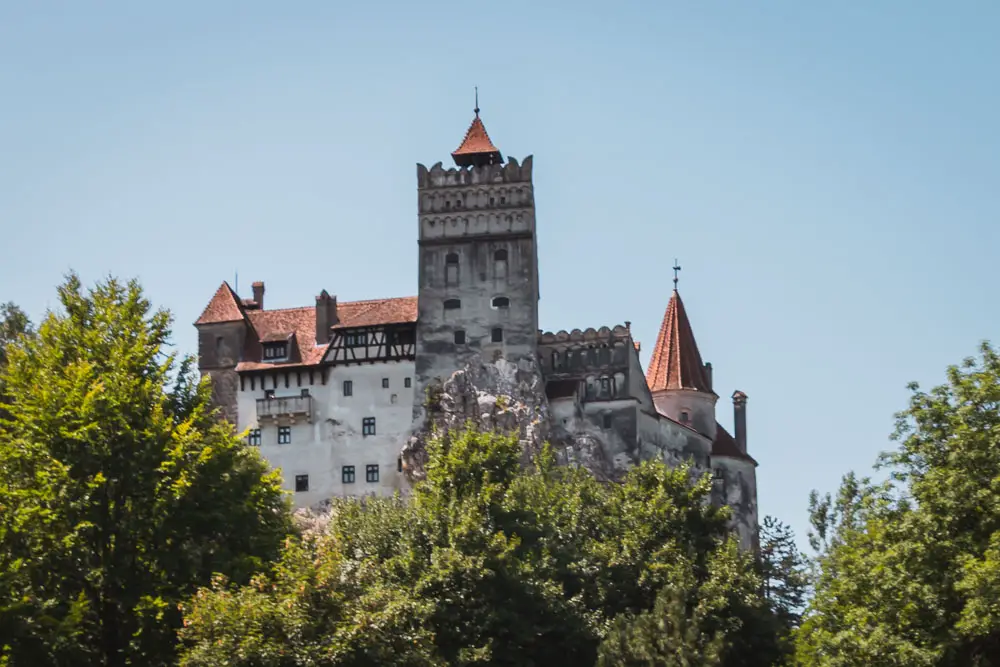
826, 172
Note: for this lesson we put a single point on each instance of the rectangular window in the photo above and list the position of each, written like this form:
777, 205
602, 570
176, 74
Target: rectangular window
301, 483
371, 473
284, 435
399, 464
253, 438
305, 393
269, 394
497, 335
607, 420
407, 383
348, 388
347, 474
459, 337
356, 339
385, 383
368, 426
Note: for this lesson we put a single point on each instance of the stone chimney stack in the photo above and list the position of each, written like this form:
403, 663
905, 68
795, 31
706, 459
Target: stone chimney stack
326, 316
708, 375
740, 419
258, 294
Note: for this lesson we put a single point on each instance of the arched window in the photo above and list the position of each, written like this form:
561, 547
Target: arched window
500, 255
501, 302
452, 304
451, 268
685, 417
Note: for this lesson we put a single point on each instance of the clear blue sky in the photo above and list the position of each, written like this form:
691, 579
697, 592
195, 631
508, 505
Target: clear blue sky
827, 173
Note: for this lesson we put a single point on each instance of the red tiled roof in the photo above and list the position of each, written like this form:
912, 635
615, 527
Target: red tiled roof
726, 446
676, 362
376, 311
224, 307
476, 140
302, 323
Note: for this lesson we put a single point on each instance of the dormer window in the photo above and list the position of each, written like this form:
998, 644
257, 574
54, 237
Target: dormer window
275, 351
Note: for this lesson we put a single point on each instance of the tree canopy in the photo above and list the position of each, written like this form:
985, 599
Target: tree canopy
120, 492
491, 564
909, 568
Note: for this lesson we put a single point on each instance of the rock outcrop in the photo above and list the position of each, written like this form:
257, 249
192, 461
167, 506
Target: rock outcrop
507, 397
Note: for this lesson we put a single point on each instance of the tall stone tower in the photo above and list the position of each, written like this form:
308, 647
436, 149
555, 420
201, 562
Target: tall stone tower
478, 283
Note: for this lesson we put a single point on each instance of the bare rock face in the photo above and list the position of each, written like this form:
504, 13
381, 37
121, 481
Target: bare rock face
507, 397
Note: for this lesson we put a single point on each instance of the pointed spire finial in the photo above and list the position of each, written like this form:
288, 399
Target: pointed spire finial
677, 268
477, 101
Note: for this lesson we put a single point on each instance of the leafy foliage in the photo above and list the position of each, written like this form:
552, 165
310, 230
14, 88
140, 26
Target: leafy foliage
120, 493
910, 567
492, 564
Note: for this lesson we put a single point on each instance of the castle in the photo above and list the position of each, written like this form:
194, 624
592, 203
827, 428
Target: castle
331, 391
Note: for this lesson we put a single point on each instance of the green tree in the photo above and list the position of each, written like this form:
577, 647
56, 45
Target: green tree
785, 574
909, 567
14, 323
488, 563
120, 492
692, 623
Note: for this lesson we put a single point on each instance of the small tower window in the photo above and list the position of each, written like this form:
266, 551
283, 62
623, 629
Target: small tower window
497, 335
685, 417
459, 337
500, 264
452, 304
451, 268
301, 483
501, 302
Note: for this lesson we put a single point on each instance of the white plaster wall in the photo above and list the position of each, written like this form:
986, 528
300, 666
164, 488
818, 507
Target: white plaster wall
334, 437
671, 442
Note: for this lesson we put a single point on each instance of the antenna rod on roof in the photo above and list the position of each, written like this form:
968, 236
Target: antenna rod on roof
477, 101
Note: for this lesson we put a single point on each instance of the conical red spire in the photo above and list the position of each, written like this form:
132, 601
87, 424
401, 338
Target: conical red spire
477, 149
676, 363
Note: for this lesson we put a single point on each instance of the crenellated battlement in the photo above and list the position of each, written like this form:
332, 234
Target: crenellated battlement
589, 335
439, 177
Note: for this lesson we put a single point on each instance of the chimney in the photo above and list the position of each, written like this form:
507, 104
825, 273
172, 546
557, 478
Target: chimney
740, 419
708, 375
258, 294
326, 316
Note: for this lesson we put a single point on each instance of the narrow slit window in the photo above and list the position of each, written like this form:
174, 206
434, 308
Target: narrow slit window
451, 268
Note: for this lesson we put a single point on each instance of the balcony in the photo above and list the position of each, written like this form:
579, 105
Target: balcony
287, 408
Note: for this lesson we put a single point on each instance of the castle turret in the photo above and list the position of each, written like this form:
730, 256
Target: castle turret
478, 283
222, 330
680, 383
